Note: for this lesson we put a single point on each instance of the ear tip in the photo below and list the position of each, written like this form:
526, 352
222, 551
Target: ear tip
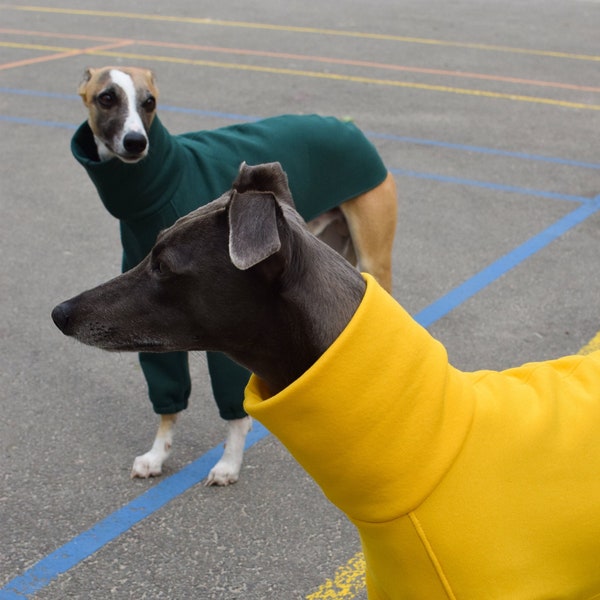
263, 168
246, 260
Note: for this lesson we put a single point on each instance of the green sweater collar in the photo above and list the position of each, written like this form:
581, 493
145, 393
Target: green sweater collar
132, 191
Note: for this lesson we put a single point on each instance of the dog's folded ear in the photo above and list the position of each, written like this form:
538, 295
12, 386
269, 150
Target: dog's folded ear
268, 177
253, 234
254, 210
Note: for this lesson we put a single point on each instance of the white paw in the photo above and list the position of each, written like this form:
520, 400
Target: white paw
223, 473
147, 465
227, 470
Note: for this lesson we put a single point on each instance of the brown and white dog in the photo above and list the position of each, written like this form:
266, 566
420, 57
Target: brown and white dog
122, 105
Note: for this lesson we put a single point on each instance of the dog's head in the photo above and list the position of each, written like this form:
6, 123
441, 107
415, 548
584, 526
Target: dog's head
122, 104
241, 275
207, 277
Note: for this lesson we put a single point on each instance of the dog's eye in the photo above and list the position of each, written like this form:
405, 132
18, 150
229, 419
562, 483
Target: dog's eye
107, 99
149, 104
159, 267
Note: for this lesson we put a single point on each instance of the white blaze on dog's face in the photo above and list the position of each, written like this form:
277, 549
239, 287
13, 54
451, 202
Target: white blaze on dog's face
122, 106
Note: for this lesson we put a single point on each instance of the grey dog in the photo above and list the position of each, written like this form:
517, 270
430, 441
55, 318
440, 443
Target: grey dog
462, 485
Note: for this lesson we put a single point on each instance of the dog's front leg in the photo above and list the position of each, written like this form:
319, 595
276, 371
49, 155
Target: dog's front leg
150, 464
227, 470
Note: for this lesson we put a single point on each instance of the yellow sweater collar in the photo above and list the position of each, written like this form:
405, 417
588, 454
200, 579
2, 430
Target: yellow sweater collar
384, 376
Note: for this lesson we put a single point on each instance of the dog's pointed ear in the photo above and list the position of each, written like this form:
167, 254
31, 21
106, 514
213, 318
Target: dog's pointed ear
268, 177
87, 75
253, 233
152, 80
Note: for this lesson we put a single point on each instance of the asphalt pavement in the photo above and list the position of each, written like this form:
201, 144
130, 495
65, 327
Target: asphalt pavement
488, 114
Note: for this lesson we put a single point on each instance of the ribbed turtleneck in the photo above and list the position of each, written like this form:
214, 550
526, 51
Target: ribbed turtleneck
384, 378
131, 191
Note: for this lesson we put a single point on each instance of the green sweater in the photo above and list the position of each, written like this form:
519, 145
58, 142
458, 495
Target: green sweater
327, 162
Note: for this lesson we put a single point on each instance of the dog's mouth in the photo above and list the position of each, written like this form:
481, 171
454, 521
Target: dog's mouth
132, 148
131, 158
130, 155
121, 346
145, 347
123, 155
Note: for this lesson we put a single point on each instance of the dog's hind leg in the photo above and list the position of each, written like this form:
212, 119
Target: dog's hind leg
227, 470
150, 464
371, 220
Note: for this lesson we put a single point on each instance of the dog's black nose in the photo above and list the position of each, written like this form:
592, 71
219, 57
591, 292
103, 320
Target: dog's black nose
135, 142
60, 316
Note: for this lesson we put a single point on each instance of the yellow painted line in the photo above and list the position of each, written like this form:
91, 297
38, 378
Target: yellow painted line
311, 58
61, 35
592, 345
57, 53
347, 582
38, 47
309, 30
349, 579
351, 78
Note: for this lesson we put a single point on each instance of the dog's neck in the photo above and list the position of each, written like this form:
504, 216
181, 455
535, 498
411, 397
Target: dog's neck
132, 191
311, 309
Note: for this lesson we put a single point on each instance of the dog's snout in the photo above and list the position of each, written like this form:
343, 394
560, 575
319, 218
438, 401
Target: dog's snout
61, 315
135, 142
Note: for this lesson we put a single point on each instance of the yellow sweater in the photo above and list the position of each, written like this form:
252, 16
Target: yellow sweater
469, 486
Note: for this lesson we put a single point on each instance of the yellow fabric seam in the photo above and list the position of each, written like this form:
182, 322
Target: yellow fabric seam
436, 564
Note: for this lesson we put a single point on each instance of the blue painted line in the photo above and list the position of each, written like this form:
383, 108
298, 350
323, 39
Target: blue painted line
489, 185
117, 523
370, 134
400, 172
37, 122
475, 284
209, 113
483, 150
38, 93
163, 107
87, 543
